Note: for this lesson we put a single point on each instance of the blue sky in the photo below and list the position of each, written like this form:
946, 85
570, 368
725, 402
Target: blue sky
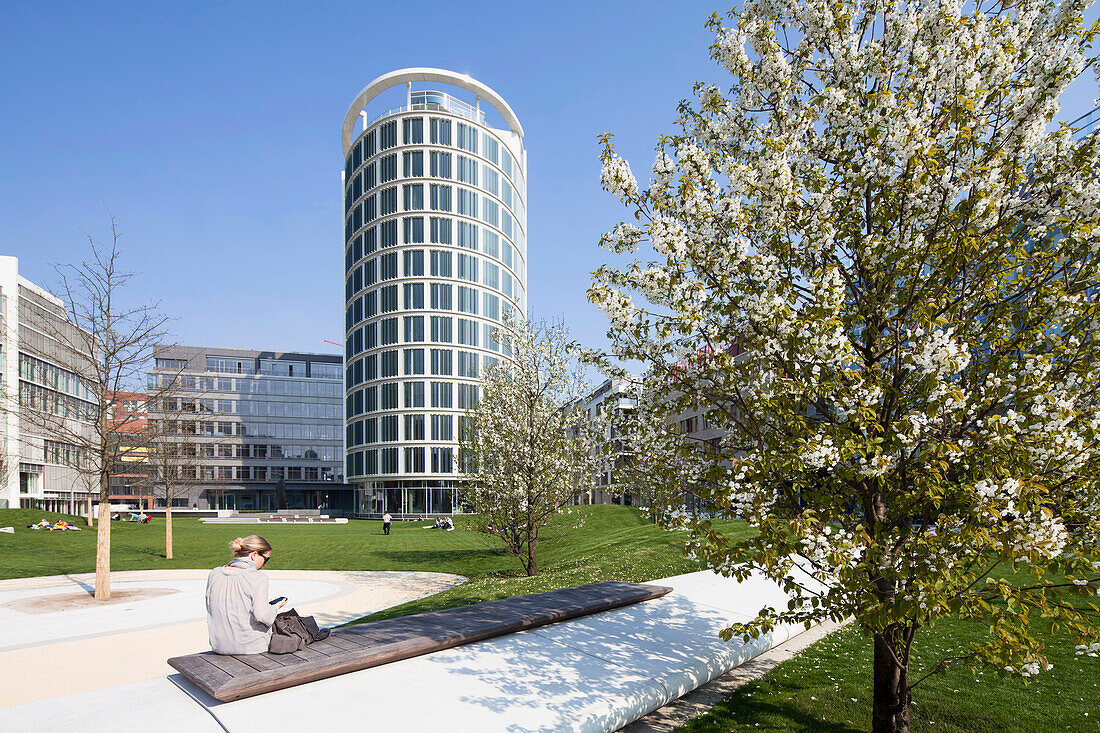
212, 133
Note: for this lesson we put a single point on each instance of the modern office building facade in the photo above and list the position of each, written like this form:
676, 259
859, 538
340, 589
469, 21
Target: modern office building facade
435, 254
40, 384
257, 429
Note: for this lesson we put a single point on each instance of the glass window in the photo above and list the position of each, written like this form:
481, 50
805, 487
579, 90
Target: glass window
387, 458
506, 223
369, 144
441, 361
467, 332
414, 296
414, 424
440, 197
370, 304
441, 296
414, 457
491, 307
414, 361
467, 267
387, 399
387, 168
490, 211
467, 202
388, 235
442, 427
439, 164
414, 262
387, 266
412, 131
388, 427
441, 230
412, 164
387, 134
442, 461
370, 240
492, 275
440, 131
442, 395
370, 176
467, 364
467, 137
413, 194
441, 329
389, 336
467, 170
414, 396
441, 263
413, 230
491, 243
467, 396
491, 148
490, 180
467, 235
388, 201
467, 300
414, 328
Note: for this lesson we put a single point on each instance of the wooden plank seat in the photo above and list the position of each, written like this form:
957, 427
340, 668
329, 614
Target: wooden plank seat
351, 648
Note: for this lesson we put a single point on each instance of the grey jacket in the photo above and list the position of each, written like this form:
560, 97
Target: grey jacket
238, 614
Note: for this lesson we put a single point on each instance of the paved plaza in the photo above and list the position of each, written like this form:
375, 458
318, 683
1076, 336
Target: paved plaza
60, 641
594, 673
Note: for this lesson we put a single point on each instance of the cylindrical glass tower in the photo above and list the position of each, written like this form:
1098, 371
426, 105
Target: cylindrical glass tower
435, 252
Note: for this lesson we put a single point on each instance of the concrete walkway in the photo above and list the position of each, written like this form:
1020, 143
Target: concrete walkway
59, 640
595, 673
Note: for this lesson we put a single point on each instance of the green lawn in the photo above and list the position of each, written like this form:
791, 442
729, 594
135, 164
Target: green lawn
613, 543
827, 688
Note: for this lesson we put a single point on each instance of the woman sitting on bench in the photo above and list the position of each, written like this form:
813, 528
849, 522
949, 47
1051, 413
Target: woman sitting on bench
239, 614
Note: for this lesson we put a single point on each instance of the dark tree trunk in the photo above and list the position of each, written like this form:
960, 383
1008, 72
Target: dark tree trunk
890, 706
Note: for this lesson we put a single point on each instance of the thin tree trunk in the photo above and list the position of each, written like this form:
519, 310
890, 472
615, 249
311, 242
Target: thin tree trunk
532, 563
168, 530
91, 517
890, 705
103, 542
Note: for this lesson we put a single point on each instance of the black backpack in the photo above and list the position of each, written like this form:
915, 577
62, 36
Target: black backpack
292, 632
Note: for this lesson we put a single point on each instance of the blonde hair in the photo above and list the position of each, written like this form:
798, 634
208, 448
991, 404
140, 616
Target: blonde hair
245, 546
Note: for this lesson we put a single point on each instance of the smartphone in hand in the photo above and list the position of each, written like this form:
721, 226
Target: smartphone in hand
274, 601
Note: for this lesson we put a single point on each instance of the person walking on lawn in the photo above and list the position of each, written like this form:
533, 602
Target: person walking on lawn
386, 519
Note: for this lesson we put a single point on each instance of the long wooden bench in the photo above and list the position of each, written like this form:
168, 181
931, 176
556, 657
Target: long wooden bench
352, 648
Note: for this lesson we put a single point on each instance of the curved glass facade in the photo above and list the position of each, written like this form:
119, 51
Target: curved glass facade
434, 255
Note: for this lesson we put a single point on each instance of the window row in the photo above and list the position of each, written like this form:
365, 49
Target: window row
417, 459
466, 137
256, 386
260, 473
384, 429
411, 395
441, 330
440, 298
415, 362
440, 197
254, 429
439, 230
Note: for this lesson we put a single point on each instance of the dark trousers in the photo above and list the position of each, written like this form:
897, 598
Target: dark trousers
385, 527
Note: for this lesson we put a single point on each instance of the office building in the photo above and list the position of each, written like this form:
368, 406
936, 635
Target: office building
435, 254
256, 430
38, 468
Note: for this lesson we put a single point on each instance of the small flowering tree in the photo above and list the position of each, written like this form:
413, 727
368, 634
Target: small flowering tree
529, 446
881, 214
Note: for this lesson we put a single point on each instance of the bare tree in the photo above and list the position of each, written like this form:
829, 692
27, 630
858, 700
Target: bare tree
172, 455
101, 351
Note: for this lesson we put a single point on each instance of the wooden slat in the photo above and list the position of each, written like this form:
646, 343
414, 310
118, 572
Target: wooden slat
368, 645
260, 662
